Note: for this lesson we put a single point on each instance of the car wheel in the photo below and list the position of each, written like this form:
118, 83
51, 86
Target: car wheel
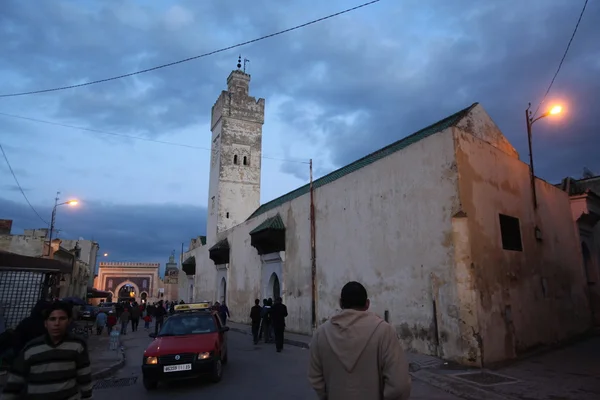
150, 384
217, 373
226, 357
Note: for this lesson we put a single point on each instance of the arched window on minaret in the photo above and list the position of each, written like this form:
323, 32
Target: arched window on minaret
227, 214
235, 159
245, 160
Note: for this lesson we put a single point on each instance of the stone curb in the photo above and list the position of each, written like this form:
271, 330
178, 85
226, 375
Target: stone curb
295, 343
456, 387
103, 373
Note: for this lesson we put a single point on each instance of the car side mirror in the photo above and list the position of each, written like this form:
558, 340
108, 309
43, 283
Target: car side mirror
152, 335
225, 329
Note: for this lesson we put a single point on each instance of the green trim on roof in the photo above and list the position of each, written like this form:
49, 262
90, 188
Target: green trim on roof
222, 245
203, 240
367, 160
275, 223
189, 261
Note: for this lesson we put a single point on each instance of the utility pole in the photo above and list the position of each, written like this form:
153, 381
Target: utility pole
313, 257
52, 220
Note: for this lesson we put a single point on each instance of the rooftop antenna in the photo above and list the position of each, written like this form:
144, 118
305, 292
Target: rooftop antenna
239, 64
245, 62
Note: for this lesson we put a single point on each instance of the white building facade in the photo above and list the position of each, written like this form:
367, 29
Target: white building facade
438, 226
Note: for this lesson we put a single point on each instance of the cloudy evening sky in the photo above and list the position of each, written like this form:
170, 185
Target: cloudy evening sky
334, 92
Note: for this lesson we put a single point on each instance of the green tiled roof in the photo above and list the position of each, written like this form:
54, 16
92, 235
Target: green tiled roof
190, 261
363, 162
275, 223
222, 245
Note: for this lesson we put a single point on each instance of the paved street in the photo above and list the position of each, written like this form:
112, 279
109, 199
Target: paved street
252, 371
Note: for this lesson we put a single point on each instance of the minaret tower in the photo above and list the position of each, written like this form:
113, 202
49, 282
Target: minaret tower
235, 162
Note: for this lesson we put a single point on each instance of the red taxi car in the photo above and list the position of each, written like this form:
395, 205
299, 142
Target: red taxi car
192, 343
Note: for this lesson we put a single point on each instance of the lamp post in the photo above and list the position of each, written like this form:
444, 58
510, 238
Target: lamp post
530, 121
53, 219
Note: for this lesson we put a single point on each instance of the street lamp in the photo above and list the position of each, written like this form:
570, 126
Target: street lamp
105, 254
71, 202
530, 121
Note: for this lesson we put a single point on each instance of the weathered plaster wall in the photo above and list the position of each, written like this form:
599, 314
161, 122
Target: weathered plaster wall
585, 208
22, 244
387, 225
206, 275
525, 298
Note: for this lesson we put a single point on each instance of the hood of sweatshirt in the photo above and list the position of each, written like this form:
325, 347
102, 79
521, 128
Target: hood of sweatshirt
348, 334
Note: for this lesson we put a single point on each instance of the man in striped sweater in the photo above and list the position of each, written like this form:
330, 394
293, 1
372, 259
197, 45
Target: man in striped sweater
55, 366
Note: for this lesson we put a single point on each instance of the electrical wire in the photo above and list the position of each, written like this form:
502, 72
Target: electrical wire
19, 186
194, 57
131, 136
563, 58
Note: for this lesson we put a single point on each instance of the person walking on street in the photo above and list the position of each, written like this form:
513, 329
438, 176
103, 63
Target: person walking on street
125, 321
224, 313
356, 355
266, 320
159, 313
55, 365
101, 321
111, 321
278, 315
255, 318
136, 312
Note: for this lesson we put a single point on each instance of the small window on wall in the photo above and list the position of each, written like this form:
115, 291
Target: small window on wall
227, 215
245, 161
235, 159
510, 230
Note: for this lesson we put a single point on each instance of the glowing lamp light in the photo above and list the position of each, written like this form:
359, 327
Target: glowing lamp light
556, 110
72, 202
105, 254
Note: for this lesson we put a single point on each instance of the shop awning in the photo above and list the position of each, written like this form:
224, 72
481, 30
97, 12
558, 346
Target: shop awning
93, 293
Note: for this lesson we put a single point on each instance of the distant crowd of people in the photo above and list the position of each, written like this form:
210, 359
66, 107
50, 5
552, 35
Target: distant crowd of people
269, 321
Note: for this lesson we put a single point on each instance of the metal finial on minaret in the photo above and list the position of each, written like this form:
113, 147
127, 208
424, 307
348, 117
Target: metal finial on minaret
239, 64
245, 62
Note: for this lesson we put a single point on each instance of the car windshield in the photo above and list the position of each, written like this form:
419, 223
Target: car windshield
192, 324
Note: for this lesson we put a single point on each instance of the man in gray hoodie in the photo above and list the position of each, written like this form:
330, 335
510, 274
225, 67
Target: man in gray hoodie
356, 355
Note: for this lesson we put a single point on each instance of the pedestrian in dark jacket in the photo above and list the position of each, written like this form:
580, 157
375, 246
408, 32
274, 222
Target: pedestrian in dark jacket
136, 312
33, 326
224, 313
159, 313
266, 320
255, 317
278, 315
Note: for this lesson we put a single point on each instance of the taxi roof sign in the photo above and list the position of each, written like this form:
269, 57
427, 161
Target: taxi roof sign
192, 307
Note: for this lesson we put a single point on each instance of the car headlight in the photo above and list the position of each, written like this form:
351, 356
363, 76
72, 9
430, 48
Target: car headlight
152, 360
203, 356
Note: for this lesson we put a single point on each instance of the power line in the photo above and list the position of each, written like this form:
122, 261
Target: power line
19, 186
194, 57
130, 136
563, 57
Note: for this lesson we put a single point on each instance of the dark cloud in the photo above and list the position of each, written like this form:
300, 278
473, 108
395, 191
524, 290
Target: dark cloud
127, 232
400, 65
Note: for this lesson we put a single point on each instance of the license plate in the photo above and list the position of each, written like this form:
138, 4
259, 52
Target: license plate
177, 368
